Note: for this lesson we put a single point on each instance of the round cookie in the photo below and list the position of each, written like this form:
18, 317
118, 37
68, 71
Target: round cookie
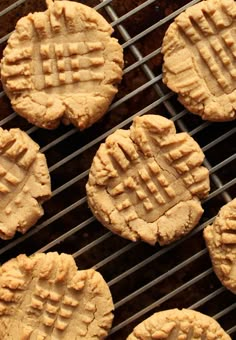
179, 324
24, 182
44, 296
62, 65
220, 239
199, 51
146, 182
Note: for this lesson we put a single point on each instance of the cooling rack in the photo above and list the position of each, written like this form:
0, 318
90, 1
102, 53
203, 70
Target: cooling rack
143, 279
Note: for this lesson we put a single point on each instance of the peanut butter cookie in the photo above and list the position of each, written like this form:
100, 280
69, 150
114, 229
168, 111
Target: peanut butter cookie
24, 182
62, 65
146, 182
179, 324
220, 239
200, 59
45, 297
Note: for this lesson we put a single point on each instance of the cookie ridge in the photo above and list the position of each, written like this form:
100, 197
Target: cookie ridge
179, 324
199, 59
220, 239
53, 298
62, 65
24, 182
146, 176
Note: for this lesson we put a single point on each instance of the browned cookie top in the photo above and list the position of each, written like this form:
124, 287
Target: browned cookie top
24, 182
45, 297
176, 324
62, 64
146, 182
200, 59
221, 242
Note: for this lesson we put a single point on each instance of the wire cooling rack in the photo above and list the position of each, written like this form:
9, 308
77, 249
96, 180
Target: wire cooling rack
143, 279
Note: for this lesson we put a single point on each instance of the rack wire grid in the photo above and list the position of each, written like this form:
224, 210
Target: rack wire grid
143, 279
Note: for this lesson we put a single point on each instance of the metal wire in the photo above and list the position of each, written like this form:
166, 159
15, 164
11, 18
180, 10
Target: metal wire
101, 137
7, 119
132, 12
159, 279
207, 298
139, 36
225, 311
11, 7
162, 300
85, 173
231, 330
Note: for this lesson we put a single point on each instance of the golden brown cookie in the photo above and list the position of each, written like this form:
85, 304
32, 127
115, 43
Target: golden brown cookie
176, 324
62, 65
220, 239
146, 182
199, 50
45, 297
24, 182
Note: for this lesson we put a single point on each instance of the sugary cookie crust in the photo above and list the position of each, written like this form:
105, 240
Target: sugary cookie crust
178, 324
62, 65
199, 59
220, 239
24, 182
45, 297
146, 183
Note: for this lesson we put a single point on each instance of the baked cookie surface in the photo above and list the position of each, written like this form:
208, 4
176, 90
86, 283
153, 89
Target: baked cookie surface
45, 297
62, 65
24, 182
179, 324
146, 182
199, 50
220, 239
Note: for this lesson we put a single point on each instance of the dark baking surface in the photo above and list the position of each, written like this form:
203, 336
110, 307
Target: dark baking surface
176, 276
